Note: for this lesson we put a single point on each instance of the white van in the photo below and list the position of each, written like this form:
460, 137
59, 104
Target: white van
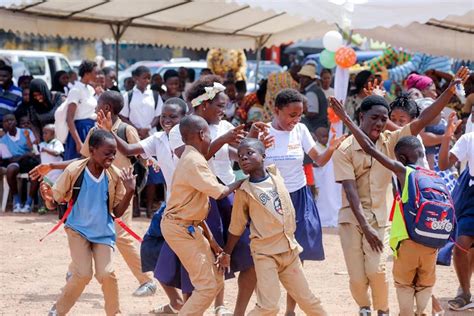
42, 65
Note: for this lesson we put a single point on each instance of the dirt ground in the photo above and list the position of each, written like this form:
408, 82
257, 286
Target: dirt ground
32, 274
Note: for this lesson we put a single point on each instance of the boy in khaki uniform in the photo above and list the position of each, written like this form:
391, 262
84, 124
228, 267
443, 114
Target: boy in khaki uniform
89, 227
183, 225
264, 200
414, 264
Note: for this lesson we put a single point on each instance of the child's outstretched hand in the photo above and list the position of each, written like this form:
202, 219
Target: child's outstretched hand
47, 194
338, 108
104, 121
335, 142
257, 128
38, 172
128, 179
461, 76
375, 88
235, 136
453, 124
223, 262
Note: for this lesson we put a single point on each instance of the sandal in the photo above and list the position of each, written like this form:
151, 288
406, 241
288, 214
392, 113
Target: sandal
222, 311
164, 310
461, 303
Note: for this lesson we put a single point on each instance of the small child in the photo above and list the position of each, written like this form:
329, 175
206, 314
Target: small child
19, 143
104, 194
183, 225
51, 150
414, 264
264, 200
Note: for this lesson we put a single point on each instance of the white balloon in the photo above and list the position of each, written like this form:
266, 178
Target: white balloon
332, 40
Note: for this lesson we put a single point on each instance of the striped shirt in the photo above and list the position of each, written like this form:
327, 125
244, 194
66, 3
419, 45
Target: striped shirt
10, 100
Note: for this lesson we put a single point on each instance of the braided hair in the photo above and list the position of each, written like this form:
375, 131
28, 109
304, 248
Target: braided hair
406, 104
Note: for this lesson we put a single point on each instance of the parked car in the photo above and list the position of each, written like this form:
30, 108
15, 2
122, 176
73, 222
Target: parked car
265, 68
108, 63
177, 63
39, 64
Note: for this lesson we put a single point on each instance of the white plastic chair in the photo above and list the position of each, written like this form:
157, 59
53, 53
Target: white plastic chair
6, 188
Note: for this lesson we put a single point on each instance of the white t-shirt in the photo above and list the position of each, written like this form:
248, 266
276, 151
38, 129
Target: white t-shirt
83, 96
464, 150
141, 110
220, 164
287, 154
329, 92
157, 145
58, 147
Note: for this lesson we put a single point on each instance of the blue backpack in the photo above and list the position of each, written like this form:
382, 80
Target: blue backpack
429, 212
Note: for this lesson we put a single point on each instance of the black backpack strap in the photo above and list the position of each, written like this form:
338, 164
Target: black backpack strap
122, 131
156, 97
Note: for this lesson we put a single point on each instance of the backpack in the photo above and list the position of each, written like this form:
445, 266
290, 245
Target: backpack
429, 212
60, 125
156, 97
139, 168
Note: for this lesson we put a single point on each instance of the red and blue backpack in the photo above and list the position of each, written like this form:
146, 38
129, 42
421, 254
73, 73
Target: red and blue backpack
429, 211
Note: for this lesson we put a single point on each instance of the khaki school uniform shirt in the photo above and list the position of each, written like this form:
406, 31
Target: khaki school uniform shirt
192, 185
62, 189
270, 232
374, 181
121, 161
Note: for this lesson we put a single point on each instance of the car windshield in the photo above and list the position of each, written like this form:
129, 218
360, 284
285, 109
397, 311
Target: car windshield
35, 65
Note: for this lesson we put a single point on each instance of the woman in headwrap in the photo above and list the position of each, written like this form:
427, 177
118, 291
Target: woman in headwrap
43, 103
357, 95
60, 82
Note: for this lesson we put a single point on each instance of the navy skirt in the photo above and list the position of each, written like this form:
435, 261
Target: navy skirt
83, 127
169, 270
308, 226
155, 177
463, 197
152, 242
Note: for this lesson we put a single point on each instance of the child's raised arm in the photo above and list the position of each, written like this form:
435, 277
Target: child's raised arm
367, 145
446, 159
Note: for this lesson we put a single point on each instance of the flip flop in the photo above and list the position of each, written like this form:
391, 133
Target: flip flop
163, 310
461, 303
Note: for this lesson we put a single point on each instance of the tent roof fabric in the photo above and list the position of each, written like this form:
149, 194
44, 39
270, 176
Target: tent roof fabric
440, 27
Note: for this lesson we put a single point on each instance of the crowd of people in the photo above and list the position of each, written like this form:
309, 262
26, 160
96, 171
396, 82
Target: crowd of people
249, 180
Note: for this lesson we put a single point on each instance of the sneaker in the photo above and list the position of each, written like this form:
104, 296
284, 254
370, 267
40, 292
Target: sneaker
365, 311
26, 208
17, 208
53, 311
146, 289
42, 210
222, 311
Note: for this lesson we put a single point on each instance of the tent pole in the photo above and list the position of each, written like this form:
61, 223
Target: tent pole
117, 41
259, 43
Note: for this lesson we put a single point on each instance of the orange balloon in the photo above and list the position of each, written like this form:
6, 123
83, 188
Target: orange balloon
345, 57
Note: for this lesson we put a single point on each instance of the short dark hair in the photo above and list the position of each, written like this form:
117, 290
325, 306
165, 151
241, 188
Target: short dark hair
253, 143
229, 83
406, 104
241, 86
198, 87
178, 101
86, 66
170, 73
407, 144
140, 70
107, 70
7, 68
191, 125
287, 96
191, 74
326, 70
114, 99
371, 101
98, 137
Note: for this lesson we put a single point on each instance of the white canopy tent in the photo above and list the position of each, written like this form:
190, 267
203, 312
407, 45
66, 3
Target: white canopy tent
437, 27
430, 26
